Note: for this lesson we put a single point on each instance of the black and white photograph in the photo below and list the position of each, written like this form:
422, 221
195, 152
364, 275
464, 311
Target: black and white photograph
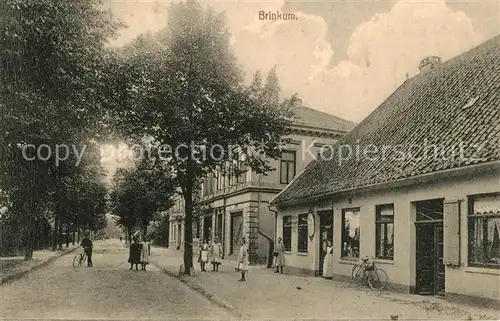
250, 160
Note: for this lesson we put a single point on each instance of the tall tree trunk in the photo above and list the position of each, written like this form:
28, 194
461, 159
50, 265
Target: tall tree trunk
28, 243
78, 236
67, 236
188, 225
54, 235
59, 236
73, 235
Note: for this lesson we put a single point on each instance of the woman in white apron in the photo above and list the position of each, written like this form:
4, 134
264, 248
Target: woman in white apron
328, 262
279, 254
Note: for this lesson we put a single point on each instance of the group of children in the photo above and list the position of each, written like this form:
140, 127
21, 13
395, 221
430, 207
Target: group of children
210, 253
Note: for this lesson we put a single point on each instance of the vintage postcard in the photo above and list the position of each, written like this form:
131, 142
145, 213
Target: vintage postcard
250, 160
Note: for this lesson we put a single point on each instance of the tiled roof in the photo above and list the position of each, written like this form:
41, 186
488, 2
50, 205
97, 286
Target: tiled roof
454, 107
305, 116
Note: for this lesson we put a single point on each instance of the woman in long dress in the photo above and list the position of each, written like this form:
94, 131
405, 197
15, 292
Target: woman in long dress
216, 254
145, 253
328, 262
135, 254
279, 253
243, 260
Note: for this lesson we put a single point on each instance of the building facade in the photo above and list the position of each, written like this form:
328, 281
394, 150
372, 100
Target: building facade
238, 205
428, 210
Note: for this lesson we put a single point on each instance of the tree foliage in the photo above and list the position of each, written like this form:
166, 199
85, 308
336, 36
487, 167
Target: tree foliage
54, 74
139, 193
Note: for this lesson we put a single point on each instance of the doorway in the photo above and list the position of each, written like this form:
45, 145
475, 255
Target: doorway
430, 269
236, 231
207, 228
219, 226
326, 234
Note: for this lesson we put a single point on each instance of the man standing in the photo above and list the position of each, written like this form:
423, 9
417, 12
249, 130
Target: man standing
87, 247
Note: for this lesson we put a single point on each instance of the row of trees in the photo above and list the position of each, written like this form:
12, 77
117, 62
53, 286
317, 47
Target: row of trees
181, 87
52, 92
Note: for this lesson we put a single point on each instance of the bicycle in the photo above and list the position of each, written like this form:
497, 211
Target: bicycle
367, 272
79, 259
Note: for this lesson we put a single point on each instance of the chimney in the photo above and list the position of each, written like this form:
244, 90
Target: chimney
428, 64
297, 103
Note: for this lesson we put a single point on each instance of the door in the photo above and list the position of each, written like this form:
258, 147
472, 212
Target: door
219, 227
326, 233
430, 276
236, 231
430, 264
207, 228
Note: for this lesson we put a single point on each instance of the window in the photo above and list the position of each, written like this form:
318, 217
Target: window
287, 166
384, 231
241, 175
484, 231
230, 173
287, 232
302, 231
219, 178
350, 233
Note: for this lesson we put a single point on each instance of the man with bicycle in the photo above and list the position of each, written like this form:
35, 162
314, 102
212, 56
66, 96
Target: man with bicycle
87, 247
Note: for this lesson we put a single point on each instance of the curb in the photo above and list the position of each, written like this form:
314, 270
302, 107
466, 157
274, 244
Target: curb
18, 275
198, 288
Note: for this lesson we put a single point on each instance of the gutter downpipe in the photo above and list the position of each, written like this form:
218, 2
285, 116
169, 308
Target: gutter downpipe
269, 264
270, 240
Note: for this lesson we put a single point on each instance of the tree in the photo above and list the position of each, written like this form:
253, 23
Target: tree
141, 192
53, 78
190, 100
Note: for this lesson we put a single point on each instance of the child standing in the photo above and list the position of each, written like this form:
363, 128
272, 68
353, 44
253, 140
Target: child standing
216, 254
203, 256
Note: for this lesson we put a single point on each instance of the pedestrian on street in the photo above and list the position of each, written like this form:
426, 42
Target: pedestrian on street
279, 253
328, 262
242, 263
216, 254
87, 248
145, 253
203, 255
135, 254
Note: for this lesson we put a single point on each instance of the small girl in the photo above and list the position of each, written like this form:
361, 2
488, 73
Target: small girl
216, 254
203, 255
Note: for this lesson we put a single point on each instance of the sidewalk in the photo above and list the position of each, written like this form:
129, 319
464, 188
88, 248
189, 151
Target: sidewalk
274, 296
13, 268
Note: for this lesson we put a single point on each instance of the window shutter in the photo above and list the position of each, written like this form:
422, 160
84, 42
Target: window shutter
452, 233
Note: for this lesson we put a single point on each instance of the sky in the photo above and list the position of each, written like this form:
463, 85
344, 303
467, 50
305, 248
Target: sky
343, 57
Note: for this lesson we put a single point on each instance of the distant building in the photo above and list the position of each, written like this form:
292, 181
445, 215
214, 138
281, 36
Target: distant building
425, 201
238, 205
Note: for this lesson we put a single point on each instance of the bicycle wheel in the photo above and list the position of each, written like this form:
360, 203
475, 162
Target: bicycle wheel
377, 279
354, 270
76, 261
359, 275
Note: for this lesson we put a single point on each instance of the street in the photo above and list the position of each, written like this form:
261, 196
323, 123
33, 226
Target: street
108, 290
